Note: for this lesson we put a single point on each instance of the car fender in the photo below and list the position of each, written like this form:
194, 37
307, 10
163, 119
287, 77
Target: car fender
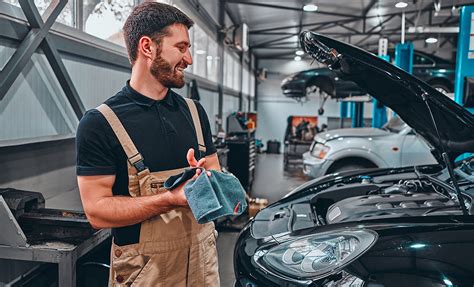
358, 152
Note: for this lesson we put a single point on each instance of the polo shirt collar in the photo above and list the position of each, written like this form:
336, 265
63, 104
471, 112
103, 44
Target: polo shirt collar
145, 101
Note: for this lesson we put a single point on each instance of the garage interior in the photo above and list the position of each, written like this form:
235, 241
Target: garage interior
266, 98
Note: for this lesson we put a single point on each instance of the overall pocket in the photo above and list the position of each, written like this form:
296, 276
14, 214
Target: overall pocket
150, 185
126, 267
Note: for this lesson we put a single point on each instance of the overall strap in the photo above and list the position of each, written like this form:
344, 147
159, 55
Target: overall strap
197, 126
134, 157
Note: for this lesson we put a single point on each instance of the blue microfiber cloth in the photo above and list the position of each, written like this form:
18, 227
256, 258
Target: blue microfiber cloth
212, 197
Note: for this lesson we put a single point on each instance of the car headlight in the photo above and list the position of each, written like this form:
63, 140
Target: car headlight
317, 255
319, 150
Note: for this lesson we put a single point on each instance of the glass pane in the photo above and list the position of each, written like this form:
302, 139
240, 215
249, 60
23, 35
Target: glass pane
237, 75
229, 70
252, 85
245, 82
200, 51
104, 18
212, 60
66, 17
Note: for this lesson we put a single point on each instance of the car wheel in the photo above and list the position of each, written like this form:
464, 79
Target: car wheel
348, 167
441, 88
350, 164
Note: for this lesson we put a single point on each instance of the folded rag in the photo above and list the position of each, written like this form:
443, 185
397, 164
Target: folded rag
211, 197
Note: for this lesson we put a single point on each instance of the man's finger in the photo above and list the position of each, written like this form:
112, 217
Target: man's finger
191, 159
201, 162
198, 172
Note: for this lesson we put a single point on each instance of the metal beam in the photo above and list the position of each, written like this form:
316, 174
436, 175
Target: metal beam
305, 25
348, 28
287, 8
234, 15
368, 7
271, 41
37, 36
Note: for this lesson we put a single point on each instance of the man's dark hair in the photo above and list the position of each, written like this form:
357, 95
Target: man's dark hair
151, 19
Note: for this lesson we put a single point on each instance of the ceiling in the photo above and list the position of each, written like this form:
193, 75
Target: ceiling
274, 25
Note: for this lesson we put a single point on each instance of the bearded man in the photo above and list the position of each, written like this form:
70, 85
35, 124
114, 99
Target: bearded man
128, 146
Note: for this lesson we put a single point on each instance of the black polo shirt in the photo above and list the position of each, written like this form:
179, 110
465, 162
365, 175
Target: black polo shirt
162, 131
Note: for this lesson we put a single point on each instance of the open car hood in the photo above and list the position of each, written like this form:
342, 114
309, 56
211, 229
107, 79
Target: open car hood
403, 93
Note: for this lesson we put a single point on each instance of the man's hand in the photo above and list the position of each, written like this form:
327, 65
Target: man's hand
194, 163
177, 196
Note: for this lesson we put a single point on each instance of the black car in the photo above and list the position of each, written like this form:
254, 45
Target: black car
437, 72
300, 84
410, 226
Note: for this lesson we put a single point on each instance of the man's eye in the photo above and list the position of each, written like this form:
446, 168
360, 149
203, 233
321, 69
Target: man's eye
182, 49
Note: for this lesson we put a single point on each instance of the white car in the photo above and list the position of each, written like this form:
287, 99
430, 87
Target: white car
394, 145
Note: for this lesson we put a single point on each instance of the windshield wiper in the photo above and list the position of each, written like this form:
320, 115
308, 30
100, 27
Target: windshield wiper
446, 158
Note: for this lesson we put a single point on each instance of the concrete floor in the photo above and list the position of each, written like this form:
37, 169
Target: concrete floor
271, 182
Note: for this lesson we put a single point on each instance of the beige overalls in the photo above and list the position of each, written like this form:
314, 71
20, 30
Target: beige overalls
173, 249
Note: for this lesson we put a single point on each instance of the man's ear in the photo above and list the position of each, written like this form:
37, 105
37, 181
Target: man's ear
145, 47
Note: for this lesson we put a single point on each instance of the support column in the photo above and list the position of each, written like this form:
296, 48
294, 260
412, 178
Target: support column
241, 84
220, 53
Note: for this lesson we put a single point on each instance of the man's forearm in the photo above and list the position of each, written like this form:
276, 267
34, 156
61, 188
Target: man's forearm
118, 211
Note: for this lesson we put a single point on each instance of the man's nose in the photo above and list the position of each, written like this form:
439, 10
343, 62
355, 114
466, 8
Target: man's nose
188, 58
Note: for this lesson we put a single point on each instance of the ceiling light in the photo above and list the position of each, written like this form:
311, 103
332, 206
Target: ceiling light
299, 53
200, 52
297, 58
310, 8
401, 4
431, 40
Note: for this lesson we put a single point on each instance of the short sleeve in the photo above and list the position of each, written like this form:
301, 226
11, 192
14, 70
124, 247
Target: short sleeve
94, 155
206, 130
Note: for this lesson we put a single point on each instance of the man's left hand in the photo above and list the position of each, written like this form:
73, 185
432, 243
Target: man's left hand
194, 163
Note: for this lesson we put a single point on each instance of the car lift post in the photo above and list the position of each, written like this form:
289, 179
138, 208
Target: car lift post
379, 112
357, 114
465, 54
343, 114
404, 57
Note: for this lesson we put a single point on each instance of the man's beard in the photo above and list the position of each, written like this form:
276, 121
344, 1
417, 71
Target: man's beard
166, 74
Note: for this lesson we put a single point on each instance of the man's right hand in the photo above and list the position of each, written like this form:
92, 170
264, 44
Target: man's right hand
177, 196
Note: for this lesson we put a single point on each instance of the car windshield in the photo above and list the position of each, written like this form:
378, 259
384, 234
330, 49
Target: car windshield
394, 125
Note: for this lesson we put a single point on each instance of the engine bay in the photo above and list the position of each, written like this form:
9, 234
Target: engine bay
377, 199
365, 198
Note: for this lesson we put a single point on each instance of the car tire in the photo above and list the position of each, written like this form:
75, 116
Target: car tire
350, 164
348, 167
441, 88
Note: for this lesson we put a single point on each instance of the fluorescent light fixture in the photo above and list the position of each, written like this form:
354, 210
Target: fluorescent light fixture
297, 58
299, 53
448, 282
431, 40
200, 52
209, 58
418, 245
310, 8
401, 4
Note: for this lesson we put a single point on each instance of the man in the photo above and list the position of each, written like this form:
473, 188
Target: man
129, 145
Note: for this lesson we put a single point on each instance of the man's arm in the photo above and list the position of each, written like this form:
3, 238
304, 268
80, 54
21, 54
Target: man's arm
212, 162
103, 210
